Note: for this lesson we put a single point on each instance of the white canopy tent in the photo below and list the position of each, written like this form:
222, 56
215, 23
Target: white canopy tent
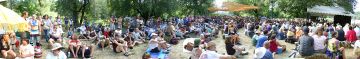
328, 11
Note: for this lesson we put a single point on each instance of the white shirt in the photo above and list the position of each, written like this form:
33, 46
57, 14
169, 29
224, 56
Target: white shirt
82, 28
28, 49
47, 24
50, 55
118, 32
57, 32
319, 42
194, 52
357, 30
209, 55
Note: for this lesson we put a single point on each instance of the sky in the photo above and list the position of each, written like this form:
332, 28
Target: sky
357, 7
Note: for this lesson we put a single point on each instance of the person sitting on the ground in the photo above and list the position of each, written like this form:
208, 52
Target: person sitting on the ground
56, 34
104, 42
129, 40
26, 50
210, 53
281, 34
14, 41
306, 43
92, 35
138, 36
119, 46
74, 45
264, 52
233, 46
156, 44
334, 47
275, 47
262, 38
319, 41
106, 32
56, 52
87, 51
290, 36
83, 33
351, 35
118, 32
6, 48
195, 49
255, 37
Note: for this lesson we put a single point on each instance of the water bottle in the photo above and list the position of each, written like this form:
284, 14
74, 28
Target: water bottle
68, 53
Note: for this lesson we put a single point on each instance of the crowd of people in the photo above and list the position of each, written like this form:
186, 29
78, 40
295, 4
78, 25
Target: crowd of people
124, 33
309, 37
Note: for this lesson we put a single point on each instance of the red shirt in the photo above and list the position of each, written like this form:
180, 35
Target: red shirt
351, 36
273, 45
106, 34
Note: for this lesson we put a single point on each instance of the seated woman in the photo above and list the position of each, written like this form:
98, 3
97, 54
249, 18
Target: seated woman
129, 40
14, 42
6, 48
275, 47
334, 48
232, 45
56, 34
26, 50
138, 37
119, 46
74, 45
157, 42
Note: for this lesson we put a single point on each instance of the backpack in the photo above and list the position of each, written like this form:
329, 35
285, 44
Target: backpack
38, 52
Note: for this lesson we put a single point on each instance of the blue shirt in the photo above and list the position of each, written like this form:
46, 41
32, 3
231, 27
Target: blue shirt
268, 55
261, 40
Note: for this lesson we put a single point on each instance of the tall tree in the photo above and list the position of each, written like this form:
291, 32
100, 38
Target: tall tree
72, 8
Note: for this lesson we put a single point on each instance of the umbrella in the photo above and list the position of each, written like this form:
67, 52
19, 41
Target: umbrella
10, 21
232, 6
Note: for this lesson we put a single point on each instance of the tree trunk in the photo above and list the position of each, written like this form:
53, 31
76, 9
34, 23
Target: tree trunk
75, 19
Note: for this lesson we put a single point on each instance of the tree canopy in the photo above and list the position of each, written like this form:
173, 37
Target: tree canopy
103, 9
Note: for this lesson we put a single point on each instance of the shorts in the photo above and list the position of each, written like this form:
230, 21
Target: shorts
87, 53
99, 45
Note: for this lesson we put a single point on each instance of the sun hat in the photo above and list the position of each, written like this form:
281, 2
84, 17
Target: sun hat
259, 52
152, 34
56, 46
197, 42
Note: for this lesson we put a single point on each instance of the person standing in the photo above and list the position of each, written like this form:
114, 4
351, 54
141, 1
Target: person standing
112, 23
46, 27
34, 32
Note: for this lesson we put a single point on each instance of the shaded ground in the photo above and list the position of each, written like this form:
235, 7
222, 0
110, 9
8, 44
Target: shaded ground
177, 50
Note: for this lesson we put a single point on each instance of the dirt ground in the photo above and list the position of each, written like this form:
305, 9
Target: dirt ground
178, 53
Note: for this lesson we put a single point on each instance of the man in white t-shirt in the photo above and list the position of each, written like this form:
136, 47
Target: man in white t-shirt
210, 53
26, 50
